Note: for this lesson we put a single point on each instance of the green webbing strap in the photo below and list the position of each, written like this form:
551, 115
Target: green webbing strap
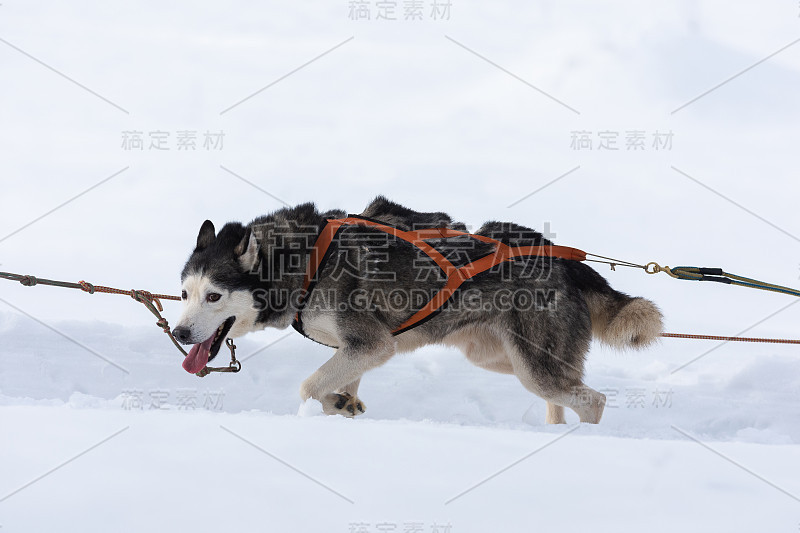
718, 275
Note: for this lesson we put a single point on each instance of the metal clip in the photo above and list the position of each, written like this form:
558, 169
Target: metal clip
234, 366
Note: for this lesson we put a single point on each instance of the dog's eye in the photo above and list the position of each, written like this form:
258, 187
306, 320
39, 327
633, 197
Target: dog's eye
213, 297
183, 295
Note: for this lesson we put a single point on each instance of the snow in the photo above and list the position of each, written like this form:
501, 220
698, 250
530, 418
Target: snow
407, 110
201, 471
241, 452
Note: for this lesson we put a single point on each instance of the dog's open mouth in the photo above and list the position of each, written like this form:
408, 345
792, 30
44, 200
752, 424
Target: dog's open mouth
200, 354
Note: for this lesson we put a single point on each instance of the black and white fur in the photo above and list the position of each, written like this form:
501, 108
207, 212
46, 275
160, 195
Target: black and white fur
257, 271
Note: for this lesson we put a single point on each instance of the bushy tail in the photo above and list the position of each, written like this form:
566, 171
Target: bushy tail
619, 320
624, 322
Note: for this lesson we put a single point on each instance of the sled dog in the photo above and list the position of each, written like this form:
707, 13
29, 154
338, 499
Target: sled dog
370, 291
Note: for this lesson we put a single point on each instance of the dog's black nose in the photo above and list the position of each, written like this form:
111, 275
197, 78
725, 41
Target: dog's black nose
182, 334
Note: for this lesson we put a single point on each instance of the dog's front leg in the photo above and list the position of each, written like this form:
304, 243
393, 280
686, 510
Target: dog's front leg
342, 372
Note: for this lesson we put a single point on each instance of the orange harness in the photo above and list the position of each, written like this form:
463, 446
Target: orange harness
455, 275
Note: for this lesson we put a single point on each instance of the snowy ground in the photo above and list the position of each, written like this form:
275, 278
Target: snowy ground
229, 452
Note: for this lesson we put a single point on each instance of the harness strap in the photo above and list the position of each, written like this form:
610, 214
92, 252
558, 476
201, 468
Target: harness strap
319, 250
502, 254
455, 275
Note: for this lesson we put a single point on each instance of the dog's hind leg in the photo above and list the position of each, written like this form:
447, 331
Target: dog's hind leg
554, 371
555, 414
336, 382
585, 401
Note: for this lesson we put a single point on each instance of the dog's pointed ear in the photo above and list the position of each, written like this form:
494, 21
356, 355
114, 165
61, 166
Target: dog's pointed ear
247, 251
206, 236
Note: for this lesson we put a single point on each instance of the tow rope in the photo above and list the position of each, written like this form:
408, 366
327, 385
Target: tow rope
456, 276
718, 275
151, 301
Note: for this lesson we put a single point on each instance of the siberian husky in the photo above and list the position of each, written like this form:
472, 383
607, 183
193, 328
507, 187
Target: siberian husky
531, 316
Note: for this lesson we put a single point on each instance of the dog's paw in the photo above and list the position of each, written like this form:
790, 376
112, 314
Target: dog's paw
343, 404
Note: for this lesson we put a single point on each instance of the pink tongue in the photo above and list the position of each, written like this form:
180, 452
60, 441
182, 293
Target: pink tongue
197, 358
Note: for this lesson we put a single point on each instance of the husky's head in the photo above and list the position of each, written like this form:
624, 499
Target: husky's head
217, 291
